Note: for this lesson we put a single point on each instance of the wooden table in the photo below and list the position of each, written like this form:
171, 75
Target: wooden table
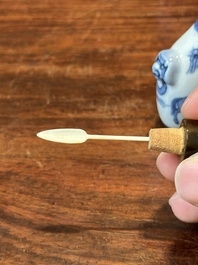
86, 64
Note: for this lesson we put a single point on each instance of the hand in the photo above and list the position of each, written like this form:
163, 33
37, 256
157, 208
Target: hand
184, 202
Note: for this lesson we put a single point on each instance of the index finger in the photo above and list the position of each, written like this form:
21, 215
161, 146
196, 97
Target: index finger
189, 109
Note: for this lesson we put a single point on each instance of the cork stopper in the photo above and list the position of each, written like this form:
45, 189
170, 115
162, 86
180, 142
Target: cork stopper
170, 140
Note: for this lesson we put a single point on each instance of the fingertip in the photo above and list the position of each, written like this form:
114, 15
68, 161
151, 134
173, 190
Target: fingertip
183, 210
167, 164
189, 108
186, 179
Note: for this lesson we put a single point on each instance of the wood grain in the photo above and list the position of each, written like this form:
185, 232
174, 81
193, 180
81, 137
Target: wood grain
86, 64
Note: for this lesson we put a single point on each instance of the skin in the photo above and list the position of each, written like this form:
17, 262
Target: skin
184, 202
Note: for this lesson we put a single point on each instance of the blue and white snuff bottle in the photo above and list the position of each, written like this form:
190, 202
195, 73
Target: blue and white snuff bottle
176, 71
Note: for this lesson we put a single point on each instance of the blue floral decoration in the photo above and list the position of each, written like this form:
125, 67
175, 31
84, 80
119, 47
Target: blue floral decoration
159, 69
176, 108
193, 61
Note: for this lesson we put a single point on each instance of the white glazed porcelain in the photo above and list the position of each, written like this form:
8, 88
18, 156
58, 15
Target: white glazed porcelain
176, 71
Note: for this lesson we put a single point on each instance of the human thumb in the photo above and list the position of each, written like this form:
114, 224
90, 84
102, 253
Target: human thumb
186, 179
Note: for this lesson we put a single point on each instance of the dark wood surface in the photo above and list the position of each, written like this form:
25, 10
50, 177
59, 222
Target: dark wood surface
86, 64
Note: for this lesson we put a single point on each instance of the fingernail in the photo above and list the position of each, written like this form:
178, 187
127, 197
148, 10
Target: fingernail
186, 102
186, 179
195, 155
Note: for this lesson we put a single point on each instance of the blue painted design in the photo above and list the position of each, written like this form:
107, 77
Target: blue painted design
161, 87
193, 61
176, 108
161, 102
196, 25
159, 69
